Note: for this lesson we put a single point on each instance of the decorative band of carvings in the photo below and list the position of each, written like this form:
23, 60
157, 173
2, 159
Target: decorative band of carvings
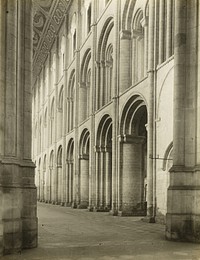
49, 35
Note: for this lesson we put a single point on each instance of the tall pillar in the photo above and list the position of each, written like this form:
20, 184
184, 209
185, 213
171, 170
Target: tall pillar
98, 87
102, 82
125, 41
108, 178
183, 207
18, 219
169, 29
82, 102
84, 182
150, 132
97, 169
161, 31
59, 184
144, 24
132, 175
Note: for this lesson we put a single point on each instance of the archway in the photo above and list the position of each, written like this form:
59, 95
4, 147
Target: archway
104, 164
84, 168
133, 148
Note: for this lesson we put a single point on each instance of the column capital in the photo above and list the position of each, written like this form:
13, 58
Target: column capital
136, 34
68, 161
82, 85
131, 139
125, 35
84, 156
144, 21
97, 64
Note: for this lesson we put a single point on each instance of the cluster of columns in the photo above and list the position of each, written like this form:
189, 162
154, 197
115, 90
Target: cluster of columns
103, 178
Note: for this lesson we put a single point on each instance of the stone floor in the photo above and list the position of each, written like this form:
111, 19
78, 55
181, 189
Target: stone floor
66, 233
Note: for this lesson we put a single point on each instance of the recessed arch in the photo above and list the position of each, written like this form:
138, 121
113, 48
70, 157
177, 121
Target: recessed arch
59, 156
133, 111
133, 149
104, 163
103, 129
84, 142
108, 26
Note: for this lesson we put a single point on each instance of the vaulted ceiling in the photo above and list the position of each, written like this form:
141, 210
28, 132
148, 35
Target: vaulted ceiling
47, 19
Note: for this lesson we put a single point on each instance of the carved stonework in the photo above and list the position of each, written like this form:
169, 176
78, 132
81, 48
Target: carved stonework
48, 16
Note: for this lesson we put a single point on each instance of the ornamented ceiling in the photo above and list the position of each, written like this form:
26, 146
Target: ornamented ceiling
47, 18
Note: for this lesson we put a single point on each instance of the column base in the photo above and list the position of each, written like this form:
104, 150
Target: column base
74, 205
133, 210
101, 209
113, 212
182, 227
82, 205
149, 219
90, 208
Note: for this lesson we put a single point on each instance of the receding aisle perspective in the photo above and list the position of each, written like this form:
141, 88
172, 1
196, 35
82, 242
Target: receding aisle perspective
66, 233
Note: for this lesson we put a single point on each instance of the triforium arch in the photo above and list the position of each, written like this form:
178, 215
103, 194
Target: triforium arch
104, 164
84, 88
70, 173
105, 64
84, 149
58, 176
133, 164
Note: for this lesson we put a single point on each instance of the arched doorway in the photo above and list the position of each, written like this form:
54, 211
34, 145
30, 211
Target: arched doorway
70, 173
84, 169
133, 151
104, 164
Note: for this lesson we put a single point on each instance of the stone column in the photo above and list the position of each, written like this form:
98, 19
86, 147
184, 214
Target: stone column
59, 184
101, 177
162, 32
150, 132
144, 23
84, 181
82, 102
67, 184
102, 83
183, 208
125, 54
98, 87
132, 175
97, 169
169, 29
50, 185
18, 220
108, 178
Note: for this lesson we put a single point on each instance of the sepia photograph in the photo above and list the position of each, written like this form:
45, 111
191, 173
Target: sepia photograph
100, 129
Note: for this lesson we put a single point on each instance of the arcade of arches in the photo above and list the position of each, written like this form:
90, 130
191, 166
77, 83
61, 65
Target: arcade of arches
115, 112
